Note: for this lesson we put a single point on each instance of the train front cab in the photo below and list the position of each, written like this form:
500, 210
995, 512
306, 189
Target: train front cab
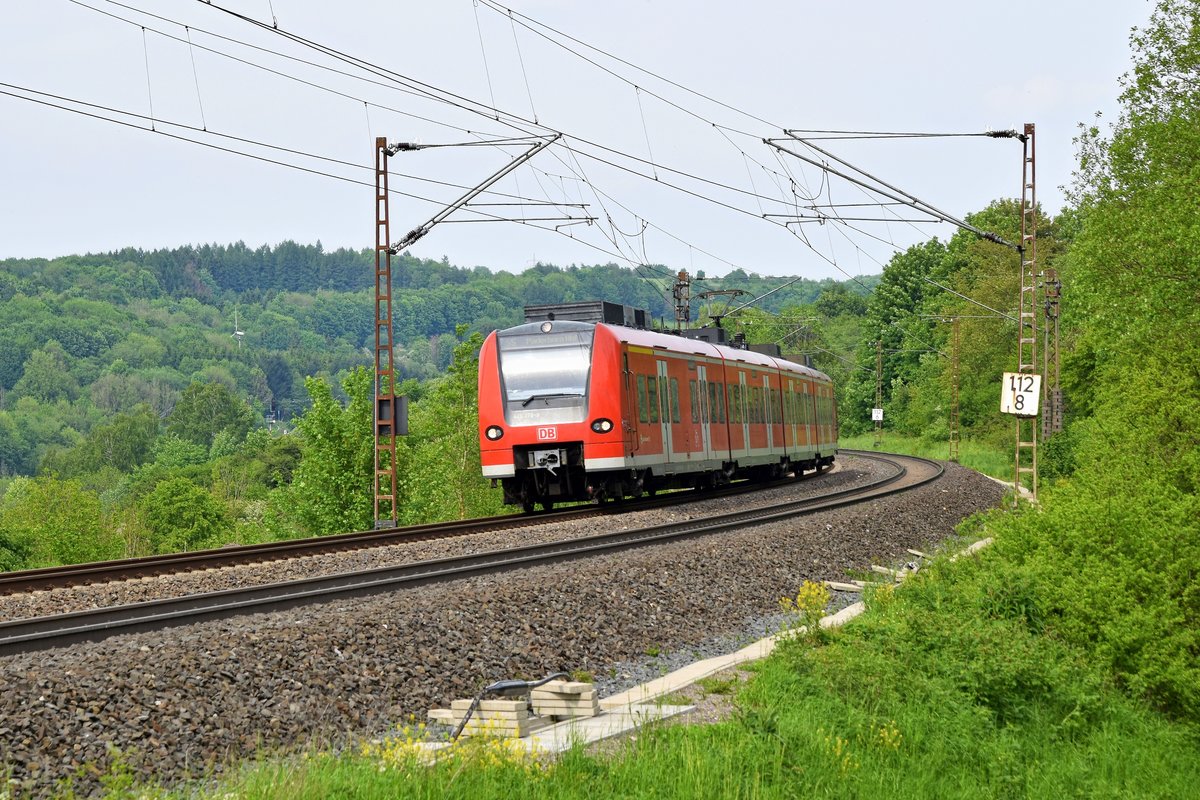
539, 411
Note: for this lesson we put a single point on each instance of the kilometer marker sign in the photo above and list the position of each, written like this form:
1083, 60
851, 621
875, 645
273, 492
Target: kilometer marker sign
1019, 394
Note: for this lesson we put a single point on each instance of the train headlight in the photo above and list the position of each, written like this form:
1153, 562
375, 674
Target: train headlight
494, 432
602, 425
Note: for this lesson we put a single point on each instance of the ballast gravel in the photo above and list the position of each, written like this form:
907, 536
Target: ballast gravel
81, 598
187, 701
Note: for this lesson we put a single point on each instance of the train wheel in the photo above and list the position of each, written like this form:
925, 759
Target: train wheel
547, 505
527, 506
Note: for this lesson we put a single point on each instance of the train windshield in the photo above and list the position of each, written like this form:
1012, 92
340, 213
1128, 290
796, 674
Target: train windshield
545, 375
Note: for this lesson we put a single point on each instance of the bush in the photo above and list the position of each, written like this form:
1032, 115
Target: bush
46, 522
1114, 574
182, 516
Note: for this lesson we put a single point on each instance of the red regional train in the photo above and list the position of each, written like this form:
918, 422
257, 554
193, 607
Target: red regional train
574, 410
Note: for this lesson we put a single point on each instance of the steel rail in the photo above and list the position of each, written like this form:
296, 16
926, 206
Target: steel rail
69, 575
126, 568
38, 633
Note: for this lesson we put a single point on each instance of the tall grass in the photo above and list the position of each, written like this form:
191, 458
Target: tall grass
950, 687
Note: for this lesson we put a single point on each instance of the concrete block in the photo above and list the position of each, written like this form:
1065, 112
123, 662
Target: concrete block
491, 705
545, 702
538, 694
566, 687
516, 728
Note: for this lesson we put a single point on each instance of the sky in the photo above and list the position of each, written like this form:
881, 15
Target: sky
663, 107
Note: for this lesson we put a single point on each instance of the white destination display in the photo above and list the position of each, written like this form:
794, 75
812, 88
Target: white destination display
1019, 394
877, 415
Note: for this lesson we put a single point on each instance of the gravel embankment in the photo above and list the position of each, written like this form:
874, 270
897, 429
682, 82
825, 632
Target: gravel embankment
180, 701
80, 598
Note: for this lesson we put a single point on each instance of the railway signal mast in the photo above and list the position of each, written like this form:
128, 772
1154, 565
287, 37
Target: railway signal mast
877, 411
1052, 398
682, 293
391, 411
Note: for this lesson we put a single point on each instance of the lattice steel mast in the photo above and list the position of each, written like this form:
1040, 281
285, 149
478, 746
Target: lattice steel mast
385, 383
682, 294
878, 393
1052, 399
390, 410
954, 390
1025, 462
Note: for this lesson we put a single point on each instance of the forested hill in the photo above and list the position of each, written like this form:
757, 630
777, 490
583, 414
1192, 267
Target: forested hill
83, 338
210, 272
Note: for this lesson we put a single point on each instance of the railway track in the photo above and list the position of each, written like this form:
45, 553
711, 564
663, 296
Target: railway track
72, 575
25, 635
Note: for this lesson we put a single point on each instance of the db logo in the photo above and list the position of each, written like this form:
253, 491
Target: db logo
546, 434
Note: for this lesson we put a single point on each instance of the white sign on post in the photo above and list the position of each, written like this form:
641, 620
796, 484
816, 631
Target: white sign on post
877, 415
1019, 394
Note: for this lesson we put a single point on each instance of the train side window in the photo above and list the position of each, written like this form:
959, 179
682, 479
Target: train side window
733, 406
695, 401
641, 390
721, 402
652, 387
663, 397
674, 400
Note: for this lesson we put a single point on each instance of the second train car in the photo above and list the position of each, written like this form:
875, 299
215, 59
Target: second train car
577, 411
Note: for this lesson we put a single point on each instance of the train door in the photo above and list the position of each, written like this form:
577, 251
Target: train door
629, 413
664, 400
789, 412
814, 419
705, 412
768, 412
745, 411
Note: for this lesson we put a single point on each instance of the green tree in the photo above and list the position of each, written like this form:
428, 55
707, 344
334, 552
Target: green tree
333, 485
204, 410
172, 451
1116, 548
122, 444
46, 522
444, 479
893, 317
182, 516
47, 376
14, 450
